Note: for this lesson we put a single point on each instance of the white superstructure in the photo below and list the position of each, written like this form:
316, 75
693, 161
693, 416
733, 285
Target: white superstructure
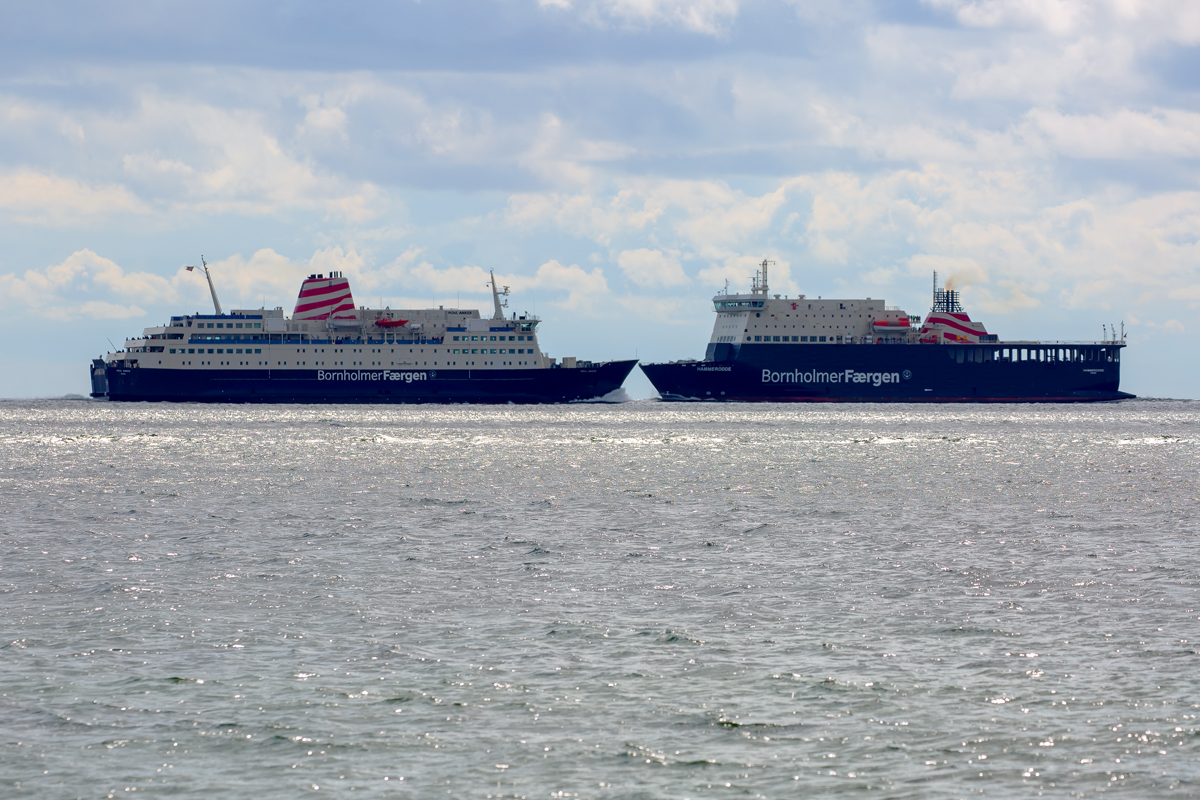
759, 317
327, 331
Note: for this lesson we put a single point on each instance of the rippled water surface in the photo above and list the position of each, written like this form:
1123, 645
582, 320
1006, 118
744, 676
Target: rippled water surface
626, 601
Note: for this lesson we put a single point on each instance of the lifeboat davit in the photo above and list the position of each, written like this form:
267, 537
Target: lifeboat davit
384, 322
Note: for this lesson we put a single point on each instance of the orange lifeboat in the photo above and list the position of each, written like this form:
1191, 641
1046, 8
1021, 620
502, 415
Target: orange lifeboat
384, 322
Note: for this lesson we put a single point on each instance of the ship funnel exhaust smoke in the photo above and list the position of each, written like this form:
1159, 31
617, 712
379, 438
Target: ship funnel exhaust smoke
966, 276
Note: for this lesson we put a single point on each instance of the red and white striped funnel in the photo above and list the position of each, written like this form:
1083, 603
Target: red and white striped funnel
322, 298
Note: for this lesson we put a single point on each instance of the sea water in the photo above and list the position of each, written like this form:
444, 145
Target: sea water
641, 600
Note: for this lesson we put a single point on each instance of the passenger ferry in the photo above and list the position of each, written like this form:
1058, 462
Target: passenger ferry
768, 347
329, 351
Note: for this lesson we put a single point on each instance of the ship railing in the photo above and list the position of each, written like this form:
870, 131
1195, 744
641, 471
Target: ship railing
1054, 342
998, 343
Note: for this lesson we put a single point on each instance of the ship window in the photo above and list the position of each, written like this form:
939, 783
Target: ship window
238, 325
512, 338
256, 350
804, 338
191, 349
822, 338
210, 351
758, 338
258, 324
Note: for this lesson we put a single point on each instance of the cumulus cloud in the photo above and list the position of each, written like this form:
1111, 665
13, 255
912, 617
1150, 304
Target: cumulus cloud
167, 155
575, 288
30, 197
1038, 152
562, 157
1177, 20
651, 268
700, 16
70, 289
1123, 134
709, 216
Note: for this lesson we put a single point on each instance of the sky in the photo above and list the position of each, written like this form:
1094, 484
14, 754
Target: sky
614, 161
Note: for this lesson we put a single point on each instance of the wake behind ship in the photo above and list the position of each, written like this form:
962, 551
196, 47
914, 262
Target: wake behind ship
773, 348
331, 352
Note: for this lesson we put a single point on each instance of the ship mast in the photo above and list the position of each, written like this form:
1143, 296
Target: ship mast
212, 289
496, 295
760, 280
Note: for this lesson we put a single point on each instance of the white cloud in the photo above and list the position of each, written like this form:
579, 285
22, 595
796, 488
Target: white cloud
171, 155
1124, 134
709, 216
700, 16
652, 268
585, 291
69, 289
34, 198
560, 156
1174, 20
98, 309
1057, 16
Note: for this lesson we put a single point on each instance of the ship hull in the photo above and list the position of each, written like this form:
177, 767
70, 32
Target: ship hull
899, 373
552, 385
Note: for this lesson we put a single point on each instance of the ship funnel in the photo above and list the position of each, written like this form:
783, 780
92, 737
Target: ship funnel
322, 298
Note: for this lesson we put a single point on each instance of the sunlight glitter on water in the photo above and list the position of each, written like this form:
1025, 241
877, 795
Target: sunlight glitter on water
640, 600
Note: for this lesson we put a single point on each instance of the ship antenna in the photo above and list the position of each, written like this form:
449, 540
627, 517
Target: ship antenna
211, 288
762, 285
